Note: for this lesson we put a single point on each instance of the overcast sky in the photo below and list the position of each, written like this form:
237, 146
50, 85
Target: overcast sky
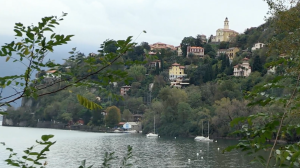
167, 21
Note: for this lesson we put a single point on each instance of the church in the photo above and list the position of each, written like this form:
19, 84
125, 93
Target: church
224, 34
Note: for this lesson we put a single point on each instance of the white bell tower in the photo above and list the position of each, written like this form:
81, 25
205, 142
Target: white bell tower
226, 23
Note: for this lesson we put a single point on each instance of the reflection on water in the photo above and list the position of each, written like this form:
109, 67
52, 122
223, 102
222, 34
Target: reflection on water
74, 146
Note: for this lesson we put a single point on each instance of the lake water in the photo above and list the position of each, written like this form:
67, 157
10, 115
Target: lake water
74, 146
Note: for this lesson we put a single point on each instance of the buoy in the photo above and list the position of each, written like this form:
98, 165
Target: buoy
158, 136
201, 157
197, 154
200, 151
218, 148
216, 141
175, 137
189, 160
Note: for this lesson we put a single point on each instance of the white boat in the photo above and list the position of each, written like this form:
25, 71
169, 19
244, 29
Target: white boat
131, 131
152, 135
202, 138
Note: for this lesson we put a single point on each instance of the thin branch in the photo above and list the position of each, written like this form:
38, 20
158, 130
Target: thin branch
281, 120
83, 78
19, 61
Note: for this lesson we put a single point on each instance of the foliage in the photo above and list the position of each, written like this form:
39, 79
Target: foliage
127, 115
257, 129
113, 116
31, 158
88, 104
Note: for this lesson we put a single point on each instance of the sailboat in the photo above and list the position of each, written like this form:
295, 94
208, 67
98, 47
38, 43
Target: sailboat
202, 138
152, 135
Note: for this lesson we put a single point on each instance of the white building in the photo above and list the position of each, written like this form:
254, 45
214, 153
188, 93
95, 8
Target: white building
257, 46
243, 69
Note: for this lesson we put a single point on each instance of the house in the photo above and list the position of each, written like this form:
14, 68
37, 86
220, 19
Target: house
176, 71
180, 83
124, 90
271, 70
198, 51
224, 34
153, 64
137, 117
137, 126
179, 51
243, 69
51, 74
221, 51
257, 46
231, 52
159, 45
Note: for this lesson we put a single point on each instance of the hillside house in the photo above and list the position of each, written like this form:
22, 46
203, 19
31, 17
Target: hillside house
230, 52
179, 51
257, 46
153, 64
198, 51
159, 45
243, 69
124, 90
176, 71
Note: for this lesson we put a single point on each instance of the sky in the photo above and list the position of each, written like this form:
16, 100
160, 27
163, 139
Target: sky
94, 21
167, 21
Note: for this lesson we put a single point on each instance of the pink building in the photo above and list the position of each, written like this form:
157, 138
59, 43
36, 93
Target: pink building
159, 45
199, 51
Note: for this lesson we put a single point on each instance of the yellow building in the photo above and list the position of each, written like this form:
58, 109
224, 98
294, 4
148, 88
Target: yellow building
176, 71
231, 52
224, 34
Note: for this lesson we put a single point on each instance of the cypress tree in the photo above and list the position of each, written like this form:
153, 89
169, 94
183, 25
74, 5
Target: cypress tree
156, 68
223, 66
257, 66
216, 71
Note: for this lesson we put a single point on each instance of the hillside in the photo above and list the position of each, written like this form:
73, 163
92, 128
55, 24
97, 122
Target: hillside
214, 92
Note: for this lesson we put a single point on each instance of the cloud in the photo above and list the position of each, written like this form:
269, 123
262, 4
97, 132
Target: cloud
168, 21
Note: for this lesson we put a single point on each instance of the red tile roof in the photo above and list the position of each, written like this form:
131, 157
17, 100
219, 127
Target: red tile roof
175, 64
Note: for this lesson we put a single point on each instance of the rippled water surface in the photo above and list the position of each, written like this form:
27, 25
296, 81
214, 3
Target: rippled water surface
74, 146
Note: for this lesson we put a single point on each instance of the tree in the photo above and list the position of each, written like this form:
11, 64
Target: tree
223, 45
257, 66
33, 46
127, 115
189, 41
113, 116
137, 72
257, 129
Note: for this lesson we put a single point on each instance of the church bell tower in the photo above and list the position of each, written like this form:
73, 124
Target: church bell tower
226, 23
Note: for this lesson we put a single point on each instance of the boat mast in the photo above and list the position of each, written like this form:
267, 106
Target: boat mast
154, 124
202, 127
208, 130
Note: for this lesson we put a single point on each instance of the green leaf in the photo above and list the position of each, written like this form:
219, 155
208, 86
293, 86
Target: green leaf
19, 33
46, 137
88, 104
30, 35
3, 113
